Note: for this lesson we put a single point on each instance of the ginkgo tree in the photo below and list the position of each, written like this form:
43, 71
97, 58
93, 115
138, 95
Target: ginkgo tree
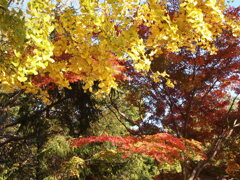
96, 34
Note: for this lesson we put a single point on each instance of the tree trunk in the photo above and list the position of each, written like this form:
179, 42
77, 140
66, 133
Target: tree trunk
196, 171
210, 155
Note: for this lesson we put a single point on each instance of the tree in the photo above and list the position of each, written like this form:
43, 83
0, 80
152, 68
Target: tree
203, 104
34, 141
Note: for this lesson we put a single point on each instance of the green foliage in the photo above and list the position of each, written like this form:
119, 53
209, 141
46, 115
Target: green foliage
46, 154
175, 167
57, 145
12, 27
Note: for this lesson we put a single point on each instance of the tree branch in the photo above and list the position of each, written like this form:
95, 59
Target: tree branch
36, 114
128, 129
14, 138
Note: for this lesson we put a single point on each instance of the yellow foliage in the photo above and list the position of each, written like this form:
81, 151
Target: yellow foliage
116, 25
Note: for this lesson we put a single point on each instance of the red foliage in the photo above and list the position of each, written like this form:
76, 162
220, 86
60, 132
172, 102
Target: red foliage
143, 31
197, 107
163, 147
42, 80
202, 104
72, 77
64, 57
119, 67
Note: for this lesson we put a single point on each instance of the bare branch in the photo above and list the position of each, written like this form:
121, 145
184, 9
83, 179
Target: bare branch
128, 129
36, 114
14, 138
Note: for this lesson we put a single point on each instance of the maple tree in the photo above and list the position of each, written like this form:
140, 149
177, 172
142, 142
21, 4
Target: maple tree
204, 102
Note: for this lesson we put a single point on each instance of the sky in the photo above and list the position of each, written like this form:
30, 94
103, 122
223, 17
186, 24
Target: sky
235, 3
